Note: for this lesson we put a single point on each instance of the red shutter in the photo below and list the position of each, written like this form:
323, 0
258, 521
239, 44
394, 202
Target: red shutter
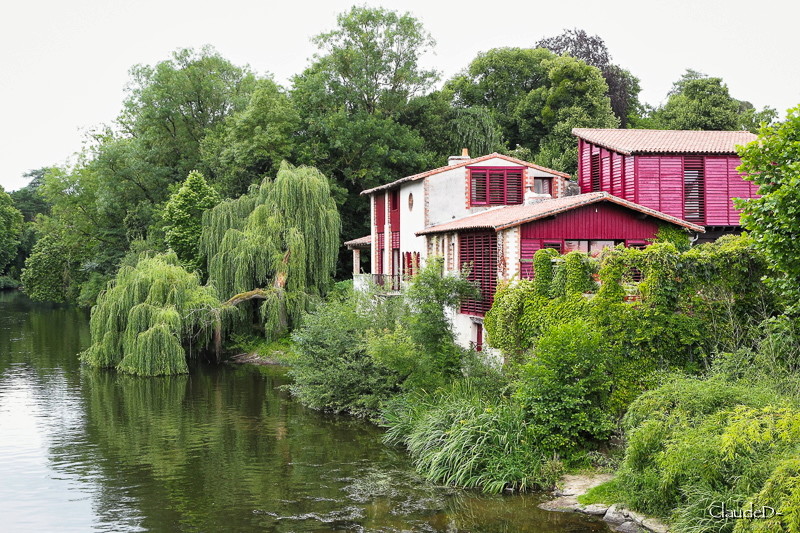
595, 172
514, 187
478, 251
478, 187
497, 182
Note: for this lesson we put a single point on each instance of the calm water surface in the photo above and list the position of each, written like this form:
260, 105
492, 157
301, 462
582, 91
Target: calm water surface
222, 449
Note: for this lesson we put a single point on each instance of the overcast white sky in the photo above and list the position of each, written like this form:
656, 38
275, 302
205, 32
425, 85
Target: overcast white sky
65, 63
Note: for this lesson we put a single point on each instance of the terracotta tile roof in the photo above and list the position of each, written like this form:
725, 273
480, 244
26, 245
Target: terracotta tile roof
468, 162
500, 218
629, 142
361, 242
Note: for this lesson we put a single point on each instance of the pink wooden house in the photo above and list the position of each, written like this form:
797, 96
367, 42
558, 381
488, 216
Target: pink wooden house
491, 214
690, 175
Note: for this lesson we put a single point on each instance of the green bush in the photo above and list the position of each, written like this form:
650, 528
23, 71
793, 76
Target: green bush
565, 389
332, 370
7, 282
695, 442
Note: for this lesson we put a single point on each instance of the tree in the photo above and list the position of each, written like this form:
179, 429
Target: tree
253, 142
623, 87
773, 219
698, 102
10, 229
150, 318
29, 199
278, 244
183, 214
537, 98
371, 60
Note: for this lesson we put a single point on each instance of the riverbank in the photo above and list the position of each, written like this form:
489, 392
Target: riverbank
623, 520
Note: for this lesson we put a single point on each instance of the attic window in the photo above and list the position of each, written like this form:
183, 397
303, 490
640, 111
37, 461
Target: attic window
595, 172
694, 206
542, 185
495, 186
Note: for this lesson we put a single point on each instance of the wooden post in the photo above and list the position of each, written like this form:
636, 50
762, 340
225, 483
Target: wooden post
356, 261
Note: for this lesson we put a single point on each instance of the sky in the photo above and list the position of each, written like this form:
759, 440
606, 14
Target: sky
65, 63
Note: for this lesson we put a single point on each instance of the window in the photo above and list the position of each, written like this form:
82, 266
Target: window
542, 185
595, 172
478, 252
555, 245
495, 186
694, 205
394, 200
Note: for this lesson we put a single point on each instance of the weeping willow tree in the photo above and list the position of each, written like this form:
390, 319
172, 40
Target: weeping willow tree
278, 243
151, 317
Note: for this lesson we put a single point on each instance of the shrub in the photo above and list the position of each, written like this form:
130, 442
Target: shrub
468, 436
565, 388
7, 282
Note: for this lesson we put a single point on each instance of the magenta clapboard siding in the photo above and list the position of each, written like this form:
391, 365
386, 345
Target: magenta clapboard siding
738, 188
600, 221
657, 181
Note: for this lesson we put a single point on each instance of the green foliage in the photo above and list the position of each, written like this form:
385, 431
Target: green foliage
183, 214
543, 270
333, 370
10, 229
698, 102
8, 283
283, 235
252, 142
772, 220
469, 436
674, 235
607, 493
52, 271
564, 390
502, 320
695, 442
537, 98
371, 59
577, 273
150, 318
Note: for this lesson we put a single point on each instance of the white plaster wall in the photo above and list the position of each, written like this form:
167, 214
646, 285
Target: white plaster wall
448, 190
511, 242
412, 220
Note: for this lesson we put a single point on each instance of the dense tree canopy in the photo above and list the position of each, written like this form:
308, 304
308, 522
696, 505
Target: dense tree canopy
623, 87
699, 102
773, 162
10, 229
537, 98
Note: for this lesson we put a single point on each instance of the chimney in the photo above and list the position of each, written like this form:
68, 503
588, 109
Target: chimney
456, 159
535, 197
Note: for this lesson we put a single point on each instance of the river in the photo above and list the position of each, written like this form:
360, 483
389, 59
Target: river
221, 449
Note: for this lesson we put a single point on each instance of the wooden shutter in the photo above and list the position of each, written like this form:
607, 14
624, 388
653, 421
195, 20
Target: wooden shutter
478, 251
478, 187
694, 204
595, 172
513, 187
497, 187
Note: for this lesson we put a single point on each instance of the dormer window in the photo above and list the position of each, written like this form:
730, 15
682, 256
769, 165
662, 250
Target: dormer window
542, 185
495, 185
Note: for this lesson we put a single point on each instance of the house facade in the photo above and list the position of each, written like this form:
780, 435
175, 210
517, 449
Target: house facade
690, 175
490, 214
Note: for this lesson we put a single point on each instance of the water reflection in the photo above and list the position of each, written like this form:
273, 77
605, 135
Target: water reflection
222, 449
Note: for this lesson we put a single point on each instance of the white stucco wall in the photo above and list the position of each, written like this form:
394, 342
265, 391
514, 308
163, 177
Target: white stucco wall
412, 220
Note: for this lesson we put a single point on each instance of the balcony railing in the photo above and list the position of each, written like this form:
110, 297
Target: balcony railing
389, 282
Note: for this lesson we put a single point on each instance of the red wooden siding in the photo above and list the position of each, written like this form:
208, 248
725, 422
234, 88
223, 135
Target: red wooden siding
379, 252
592, 222
478, 252
738, 188
658, 181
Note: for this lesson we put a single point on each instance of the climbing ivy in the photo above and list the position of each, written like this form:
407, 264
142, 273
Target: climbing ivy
543, 270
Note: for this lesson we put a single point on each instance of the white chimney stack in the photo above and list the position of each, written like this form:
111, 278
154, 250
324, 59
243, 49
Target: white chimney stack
456, 159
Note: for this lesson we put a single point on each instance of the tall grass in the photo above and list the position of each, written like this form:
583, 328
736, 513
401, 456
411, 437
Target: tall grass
467, 436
